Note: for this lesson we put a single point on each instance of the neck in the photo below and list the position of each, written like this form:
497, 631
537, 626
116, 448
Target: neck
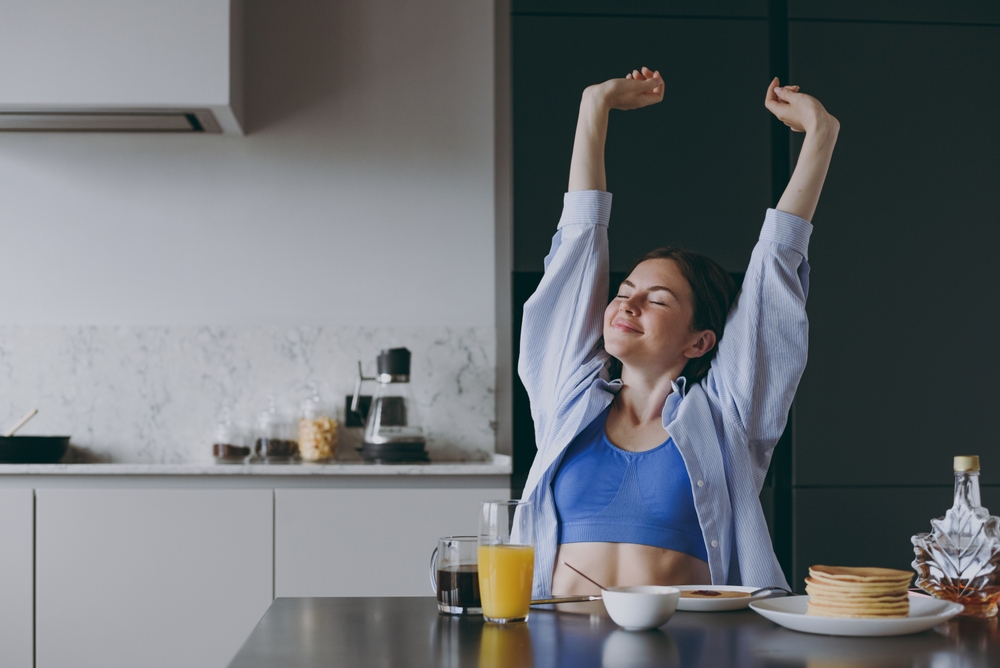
644, 393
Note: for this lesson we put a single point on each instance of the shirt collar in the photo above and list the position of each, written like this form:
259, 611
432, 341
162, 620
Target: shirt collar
674, 399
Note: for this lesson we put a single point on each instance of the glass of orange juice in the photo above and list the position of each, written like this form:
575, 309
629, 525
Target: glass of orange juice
506, 560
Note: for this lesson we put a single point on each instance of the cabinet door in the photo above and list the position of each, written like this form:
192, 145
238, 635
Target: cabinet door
150, 577
867, 526
16, 572
904, 255
367, 542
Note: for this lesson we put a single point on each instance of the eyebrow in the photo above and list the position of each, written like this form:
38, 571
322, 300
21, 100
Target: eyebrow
652, 289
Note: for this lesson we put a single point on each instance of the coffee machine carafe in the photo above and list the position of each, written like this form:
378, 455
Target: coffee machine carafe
393, 432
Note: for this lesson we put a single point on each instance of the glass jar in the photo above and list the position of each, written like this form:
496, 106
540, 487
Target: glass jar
318, 430
231, 444
277, 436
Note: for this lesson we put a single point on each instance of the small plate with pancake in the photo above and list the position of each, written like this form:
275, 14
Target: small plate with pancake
716, 598
790, 612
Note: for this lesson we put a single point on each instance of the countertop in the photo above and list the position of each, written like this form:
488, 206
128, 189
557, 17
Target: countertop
500, 465
331, 632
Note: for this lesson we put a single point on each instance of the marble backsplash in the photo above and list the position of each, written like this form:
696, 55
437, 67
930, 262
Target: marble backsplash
154, 394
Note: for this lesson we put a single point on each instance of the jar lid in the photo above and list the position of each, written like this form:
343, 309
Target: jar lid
967, 463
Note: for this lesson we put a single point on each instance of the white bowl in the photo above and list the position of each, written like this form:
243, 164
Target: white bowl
641, 608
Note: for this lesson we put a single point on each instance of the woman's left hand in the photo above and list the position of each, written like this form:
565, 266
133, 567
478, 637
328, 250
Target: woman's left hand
800, 112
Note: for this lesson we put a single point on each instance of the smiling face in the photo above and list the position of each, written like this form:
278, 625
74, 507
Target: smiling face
649, 322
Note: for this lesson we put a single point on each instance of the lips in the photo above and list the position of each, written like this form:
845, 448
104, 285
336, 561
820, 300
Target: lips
625, 326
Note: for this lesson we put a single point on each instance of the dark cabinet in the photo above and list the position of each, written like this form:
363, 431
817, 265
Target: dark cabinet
902, 363
867, 526
693, 170
902, 366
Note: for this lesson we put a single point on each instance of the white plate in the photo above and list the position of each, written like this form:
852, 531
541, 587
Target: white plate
717, 604
790, 612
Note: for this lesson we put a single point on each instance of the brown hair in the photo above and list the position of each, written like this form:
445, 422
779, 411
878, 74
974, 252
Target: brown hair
713, 290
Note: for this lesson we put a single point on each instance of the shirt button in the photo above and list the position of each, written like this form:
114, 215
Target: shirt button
701, 483
715, 543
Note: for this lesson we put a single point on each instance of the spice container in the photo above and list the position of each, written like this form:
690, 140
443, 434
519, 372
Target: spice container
318, 430
276, 436
231, 444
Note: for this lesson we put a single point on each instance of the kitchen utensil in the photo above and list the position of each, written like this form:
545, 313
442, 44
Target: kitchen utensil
20, 423
393, 432
32, 449
585, 577
641, 608
506, 560
455, 575
564, 599
721, 604
790, 612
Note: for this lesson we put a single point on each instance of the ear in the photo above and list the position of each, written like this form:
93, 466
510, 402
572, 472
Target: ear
704, 343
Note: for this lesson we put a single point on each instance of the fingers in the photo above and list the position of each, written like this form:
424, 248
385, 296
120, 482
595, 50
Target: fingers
769, 96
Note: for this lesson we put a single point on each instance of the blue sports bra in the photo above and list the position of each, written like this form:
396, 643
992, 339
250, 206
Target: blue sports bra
605, 494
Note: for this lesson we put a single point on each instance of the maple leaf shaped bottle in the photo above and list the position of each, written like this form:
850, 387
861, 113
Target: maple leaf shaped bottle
959, 560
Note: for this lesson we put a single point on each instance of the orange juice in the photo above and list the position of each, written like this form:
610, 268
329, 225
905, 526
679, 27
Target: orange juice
505, 573
505, 645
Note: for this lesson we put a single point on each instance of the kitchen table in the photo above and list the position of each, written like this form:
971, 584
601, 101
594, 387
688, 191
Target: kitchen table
333, 632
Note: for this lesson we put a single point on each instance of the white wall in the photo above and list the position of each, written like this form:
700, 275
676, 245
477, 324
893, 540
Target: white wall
364, 193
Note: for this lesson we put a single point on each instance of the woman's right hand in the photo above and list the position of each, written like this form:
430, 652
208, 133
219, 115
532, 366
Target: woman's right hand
639, 89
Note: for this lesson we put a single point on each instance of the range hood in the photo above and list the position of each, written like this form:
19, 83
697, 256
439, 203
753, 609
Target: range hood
121, 66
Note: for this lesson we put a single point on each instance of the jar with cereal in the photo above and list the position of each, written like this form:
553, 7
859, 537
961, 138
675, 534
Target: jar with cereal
318, 430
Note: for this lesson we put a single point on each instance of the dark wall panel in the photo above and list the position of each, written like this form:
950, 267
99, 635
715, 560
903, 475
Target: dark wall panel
725, 8
932, 11
867, 527
902, 363
693, 170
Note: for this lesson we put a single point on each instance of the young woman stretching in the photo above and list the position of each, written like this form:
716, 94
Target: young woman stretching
654, 478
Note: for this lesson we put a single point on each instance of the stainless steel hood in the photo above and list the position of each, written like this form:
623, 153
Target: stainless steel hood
121, 66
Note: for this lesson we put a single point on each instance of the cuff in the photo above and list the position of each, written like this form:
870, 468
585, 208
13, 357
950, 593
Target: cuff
586, 207
788, 230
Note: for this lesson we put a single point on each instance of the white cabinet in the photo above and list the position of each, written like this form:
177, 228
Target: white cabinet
150, 577
367, 542
17, 531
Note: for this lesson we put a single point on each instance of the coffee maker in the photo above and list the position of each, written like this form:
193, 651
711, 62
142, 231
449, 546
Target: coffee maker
393, 432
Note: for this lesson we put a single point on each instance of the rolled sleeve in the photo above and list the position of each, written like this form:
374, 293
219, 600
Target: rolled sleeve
787, 229
586, 207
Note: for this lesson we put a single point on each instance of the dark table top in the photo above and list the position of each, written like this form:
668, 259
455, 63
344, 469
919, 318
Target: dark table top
333, 632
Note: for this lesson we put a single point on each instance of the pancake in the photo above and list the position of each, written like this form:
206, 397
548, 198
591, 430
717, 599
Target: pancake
714, 593
838, 591
860, 575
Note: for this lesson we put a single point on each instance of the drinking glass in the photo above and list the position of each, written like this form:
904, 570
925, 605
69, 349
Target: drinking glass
506, 560
454, 576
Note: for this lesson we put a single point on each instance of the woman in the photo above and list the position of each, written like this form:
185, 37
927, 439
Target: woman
654, 478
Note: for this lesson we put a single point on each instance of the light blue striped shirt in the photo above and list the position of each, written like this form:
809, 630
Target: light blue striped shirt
725, 427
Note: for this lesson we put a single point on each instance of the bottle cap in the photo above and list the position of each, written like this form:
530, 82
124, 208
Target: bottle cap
967, 463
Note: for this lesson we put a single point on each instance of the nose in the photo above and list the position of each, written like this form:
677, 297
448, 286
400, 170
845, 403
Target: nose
627, 306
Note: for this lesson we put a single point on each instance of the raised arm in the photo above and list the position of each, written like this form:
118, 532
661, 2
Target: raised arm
638, 89
563, 320
804, 113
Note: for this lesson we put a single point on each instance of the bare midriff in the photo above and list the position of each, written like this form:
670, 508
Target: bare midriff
623, 565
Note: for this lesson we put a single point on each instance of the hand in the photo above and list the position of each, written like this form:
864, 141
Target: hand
636, 90
800, 112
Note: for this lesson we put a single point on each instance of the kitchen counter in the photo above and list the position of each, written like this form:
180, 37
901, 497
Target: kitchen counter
500, 465
494, 473
330, 632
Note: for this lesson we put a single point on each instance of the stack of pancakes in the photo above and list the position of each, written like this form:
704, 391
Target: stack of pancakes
836, 591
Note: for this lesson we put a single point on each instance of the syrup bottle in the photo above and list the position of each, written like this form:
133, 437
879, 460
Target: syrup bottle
959, 560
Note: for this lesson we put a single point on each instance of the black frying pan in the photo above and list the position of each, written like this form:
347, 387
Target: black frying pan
32, 449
